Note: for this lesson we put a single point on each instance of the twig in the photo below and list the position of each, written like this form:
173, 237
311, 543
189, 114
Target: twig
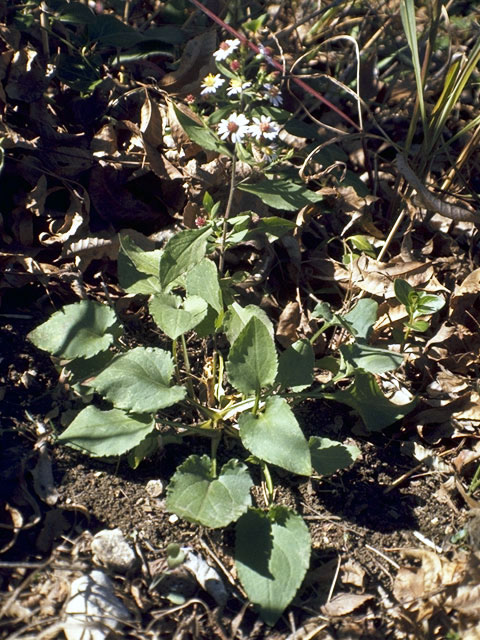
334, 581
431, 202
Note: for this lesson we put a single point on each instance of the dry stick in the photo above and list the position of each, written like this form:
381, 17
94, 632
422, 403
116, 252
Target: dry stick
462, 158
273, 62
227, 215
431, 202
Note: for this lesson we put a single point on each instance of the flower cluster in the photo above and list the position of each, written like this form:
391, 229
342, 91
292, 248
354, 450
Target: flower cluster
239, 88
237, 126
263, 86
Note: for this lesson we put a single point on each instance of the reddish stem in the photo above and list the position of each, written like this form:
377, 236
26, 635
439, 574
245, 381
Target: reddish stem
273, 62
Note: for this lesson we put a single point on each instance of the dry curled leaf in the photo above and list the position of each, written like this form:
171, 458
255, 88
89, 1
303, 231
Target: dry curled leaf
344, 603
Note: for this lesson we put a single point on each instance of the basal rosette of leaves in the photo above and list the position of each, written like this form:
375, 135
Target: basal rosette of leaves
254, 387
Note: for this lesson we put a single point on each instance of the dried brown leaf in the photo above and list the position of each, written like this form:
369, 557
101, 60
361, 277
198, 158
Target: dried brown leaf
353, 573
288, 322
344, 603
92, 248
471, 411
104, 142
466, 457
464, 301
27, 79
377, 278
43, 477
151, 124
195, 63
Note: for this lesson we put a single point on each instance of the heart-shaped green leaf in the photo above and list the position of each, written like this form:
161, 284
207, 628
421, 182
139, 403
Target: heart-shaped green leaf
197, 496
139, 381
275, 436
252, 360
329, 456
173, 320
79, 330
272, 554
106, 433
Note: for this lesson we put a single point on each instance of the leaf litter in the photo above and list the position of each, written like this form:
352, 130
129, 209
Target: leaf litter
70, 182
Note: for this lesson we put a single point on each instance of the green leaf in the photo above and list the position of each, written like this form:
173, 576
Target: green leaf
172, 320
418, 325
252, 360
274, 436
402, 291
237, 318
202, 281
197, 496
272, 554
81, 369
295, 366
428, 304
77, 72
255, 24
139, 381
407, 14
371, 359
181, 253
146, 449
138, 270
329, 456
273, 227
76, 13
111, 32
365, 396
106, 433
362, 243
284, 194
323, 310
362, 318
79, 330
200, 133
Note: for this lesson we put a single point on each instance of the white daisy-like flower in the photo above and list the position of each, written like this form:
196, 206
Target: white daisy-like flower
237, 126
273, 94
237, 86
264, 127
226, 49
211, 83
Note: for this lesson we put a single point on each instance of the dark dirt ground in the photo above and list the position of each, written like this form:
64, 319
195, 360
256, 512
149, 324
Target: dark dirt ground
360, 520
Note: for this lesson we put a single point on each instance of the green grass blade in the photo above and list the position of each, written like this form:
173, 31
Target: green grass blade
407, 13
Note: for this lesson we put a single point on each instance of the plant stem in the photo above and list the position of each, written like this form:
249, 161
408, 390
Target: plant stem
226, 216
268, 482
318, 333
214, 447
186, 362
475, 481
257, 402
175, 360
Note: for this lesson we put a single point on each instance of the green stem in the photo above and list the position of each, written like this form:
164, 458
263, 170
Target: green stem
175, 360
213, 450
268, 482
186, 363
257, 402
226, 216
475, 483
318, 333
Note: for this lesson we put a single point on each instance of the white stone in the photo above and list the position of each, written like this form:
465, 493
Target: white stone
93, 610
111, 550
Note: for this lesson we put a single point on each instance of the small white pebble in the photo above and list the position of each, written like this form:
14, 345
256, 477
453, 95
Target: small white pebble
154, 488
435, 520
173, 518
